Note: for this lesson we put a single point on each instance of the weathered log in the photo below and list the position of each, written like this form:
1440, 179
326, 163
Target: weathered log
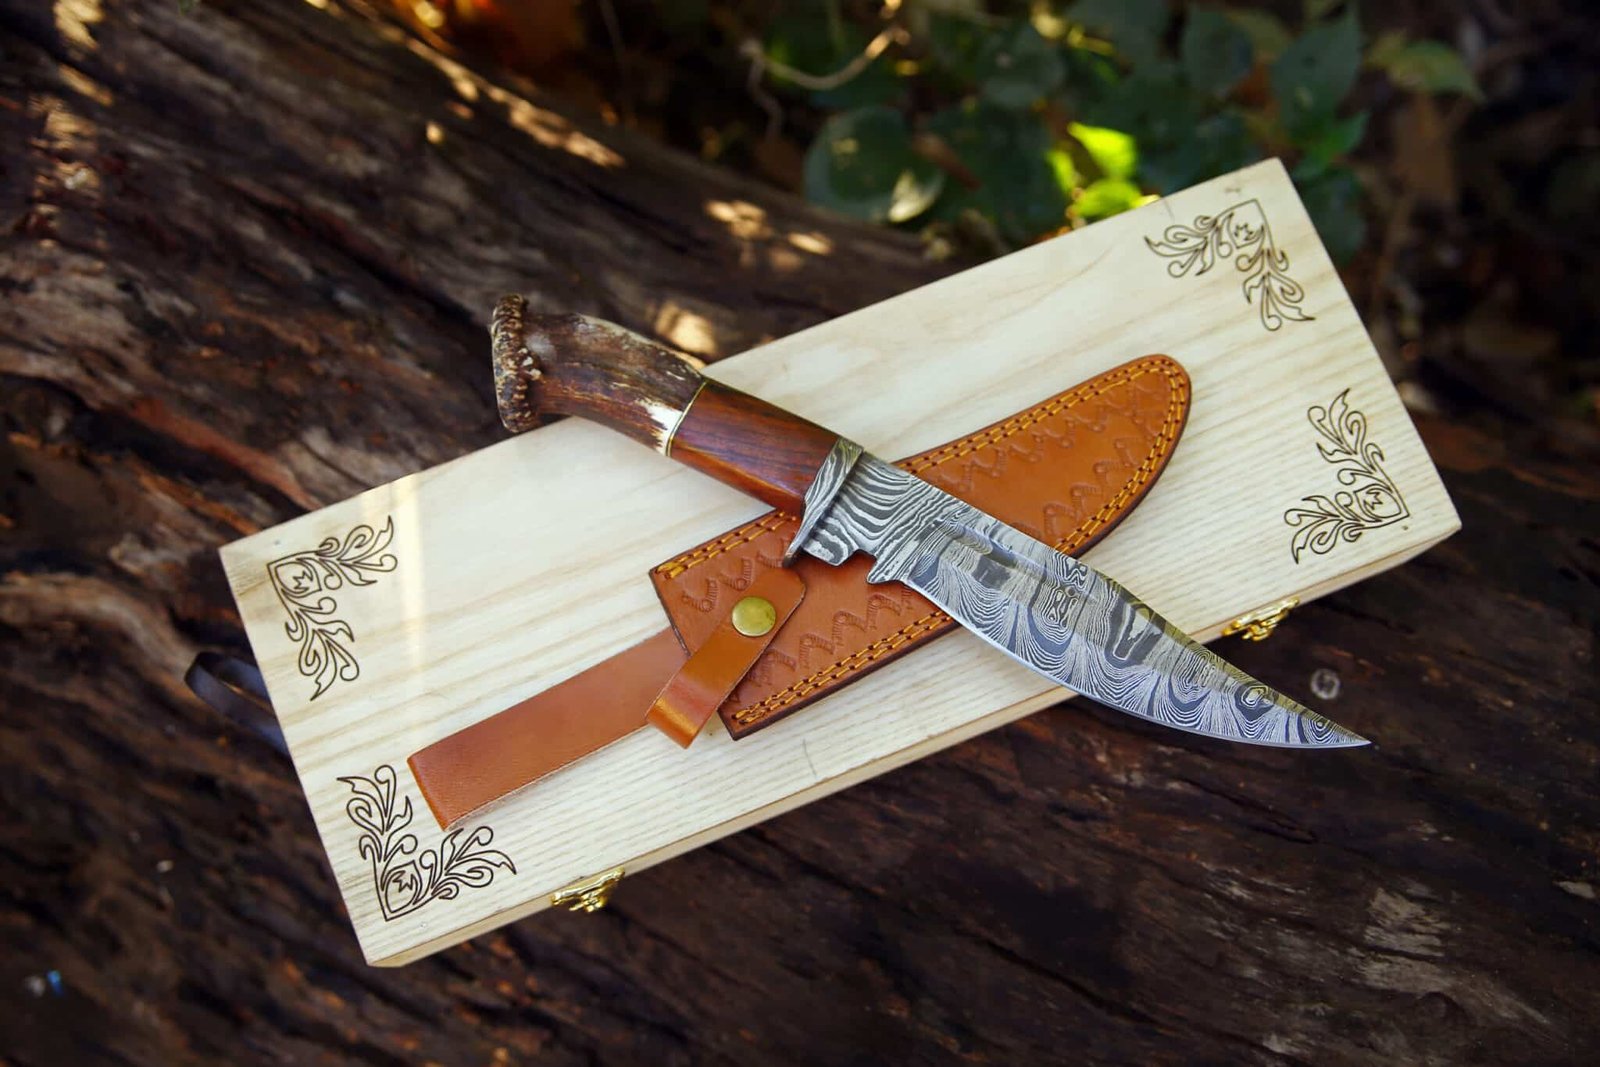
245, 258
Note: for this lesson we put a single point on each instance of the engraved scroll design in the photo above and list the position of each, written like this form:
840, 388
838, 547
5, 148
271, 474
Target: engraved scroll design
404, 878
1241, 232
305, 583
1370, 501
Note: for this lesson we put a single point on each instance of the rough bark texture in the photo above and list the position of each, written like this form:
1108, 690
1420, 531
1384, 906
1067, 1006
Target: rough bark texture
241, 279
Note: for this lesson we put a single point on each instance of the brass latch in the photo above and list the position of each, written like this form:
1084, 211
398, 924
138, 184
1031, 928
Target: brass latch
588, 895
1258, 625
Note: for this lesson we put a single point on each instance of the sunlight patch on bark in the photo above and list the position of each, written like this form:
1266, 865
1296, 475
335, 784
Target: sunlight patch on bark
73, 19
688, 331
815, 243
544, 126
744, 220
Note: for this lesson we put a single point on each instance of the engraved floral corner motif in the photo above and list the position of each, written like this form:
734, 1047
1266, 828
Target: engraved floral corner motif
404, 878
1242, 233
306, 582
1370, 499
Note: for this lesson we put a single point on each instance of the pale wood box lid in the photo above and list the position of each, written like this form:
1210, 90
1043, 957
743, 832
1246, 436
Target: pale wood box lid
389, 620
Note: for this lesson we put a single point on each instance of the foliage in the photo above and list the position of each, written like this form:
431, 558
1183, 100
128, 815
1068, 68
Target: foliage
1026, 119
863, 164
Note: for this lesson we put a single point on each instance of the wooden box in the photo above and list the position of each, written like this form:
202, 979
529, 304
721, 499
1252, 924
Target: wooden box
417, 608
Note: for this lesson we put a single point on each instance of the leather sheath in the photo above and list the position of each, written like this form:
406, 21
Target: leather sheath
1065, 471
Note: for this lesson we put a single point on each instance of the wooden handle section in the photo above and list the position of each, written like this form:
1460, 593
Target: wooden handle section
575, 365
755, 447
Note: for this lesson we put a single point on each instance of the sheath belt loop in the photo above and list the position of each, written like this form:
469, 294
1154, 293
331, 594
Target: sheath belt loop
234, 689
709, 676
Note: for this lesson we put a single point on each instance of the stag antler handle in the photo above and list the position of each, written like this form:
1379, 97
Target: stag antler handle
597, 370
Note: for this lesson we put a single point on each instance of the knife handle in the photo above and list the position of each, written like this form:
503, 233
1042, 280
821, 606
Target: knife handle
575, 365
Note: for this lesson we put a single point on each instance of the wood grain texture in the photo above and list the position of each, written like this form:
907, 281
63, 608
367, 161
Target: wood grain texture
758, 448
1066, 888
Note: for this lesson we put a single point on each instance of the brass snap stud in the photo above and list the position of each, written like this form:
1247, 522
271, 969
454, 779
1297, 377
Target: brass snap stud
754, 616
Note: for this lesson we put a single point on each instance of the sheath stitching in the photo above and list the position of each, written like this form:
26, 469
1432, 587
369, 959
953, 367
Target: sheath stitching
937, 619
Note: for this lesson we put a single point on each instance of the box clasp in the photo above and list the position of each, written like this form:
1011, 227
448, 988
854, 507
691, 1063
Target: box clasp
588, 895
1258, 625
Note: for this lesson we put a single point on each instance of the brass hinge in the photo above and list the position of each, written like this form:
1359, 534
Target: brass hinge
1258, 625
590, 894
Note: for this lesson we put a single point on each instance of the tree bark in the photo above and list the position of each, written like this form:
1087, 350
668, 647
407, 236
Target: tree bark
248, 258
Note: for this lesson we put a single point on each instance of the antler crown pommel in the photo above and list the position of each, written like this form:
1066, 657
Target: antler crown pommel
577, 365
515, 368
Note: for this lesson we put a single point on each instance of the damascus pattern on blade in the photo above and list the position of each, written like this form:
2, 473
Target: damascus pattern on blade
1053, 613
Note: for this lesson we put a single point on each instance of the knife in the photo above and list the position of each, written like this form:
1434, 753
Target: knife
1052, 613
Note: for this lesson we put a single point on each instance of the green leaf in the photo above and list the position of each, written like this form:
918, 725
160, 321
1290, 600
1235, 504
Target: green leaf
1215, 52
1011, 156
1106, 197
1316, 72
1061, 166
809, 45
1269, 37
1018, 66
1323, 144
1151, 103
1315, 9
1089, 75
1134, 26
1381, 53
1214, 145
1114, 152
1178, 143
955, 44
1333, 200
1423, 66
801, 43
862, 164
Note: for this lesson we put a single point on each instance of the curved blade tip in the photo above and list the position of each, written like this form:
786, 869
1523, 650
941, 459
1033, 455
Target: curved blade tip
1319, 731
1346, 738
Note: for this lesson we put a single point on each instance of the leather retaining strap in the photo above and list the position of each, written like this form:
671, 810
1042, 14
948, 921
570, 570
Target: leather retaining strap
516, 747
1065, 471
544, 733
701, 685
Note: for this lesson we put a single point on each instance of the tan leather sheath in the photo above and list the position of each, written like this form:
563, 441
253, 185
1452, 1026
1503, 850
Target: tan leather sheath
1065, 471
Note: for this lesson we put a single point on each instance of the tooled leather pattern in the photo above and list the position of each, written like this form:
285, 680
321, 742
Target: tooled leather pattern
1064, 471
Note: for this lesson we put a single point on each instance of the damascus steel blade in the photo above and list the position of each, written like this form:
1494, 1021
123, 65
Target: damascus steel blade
1053, 613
